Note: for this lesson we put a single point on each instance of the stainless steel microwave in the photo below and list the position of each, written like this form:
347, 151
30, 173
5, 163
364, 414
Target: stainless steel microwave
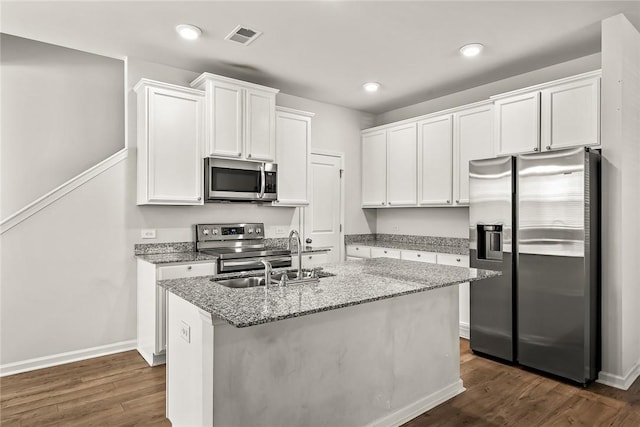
239, 181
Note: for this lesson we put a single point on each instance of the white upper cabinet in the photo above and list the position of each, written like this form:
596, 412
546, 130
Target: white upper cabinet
170, 138
517, 124
240, 118
435, 165
473, 140
402, 165
260, 125
293, 144
560, 114
374, 168
571, 114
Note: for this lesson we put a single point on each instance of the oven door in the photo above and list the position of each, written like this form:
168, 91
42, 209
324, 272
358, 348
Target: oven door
236, 180
245, 264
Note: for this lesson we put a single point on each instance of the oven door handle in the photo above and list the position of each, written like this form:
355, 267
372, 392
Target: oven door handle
262, 181
252, 261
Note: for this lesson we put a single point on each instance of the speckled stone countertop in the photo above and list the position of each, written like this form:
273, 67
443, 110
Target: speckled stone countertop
176, 257
441, 249
355, 282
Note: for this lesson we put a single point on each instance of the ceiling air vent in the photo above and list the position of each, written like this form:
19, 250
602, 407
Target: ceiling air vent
243, 35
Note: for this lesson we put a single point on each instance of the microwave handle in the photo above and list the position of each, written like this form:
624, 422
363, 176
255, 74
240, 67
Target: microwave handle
262, 181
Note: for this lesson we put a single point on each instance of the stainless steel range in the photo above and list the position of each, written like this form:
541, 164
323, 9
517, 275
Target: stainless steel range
239, 247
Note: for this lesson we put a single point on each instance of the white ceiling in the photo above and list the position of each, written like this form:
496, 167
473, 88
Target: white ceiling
326, 50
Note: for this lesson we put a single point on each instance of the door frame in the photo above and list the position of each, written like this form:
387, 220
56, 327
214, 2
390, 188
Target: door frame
339, 155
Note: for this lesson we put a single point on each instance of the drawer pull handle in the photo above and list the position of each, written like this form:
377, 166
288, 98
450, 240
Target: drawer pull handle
419, 255
385, 252
458, 259
357, 249
189, 267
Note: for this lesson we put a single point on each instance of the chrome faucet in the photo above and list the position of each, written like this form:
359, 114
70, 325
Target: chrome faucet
291, 234
267, 273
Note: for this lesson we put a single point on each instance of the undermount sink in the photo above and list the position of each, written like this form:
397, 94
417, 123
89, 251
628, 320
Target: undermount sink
242, 282
250, 282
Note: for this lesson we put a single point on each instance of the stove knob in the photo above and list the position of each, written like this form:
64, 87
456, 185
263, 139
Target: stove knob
205, 231
214, 231
258, 230
251, 231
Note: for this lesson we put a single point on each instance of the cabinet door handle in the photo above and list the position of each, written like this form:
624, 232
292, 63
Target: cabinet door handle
357, 249
310, 257
239, 154
419, 255
189, 267
448, 201
382, 203
535, 149
199, 198
548, 147
248, 156
458, 259
385, 252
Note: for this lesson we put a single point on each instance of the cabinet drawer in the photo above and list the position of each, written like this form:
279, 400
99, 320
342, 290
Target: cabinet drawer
186, 270
313, 260
385, 253
359, 251
450, 259
418, 256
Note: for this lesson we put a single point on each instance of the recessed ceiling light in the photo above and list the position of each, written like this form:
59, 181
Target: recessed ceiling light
189, 32
371, 86
472, 49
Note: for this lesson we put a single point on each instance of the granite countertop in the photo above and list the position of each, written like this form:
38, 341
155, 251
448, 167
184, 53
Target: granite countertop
195, 256
410, 246
355, 282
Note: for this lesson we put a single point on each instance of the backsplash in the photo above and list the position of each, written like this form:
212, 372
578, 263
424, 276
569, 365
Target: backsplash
407, 238
163, 248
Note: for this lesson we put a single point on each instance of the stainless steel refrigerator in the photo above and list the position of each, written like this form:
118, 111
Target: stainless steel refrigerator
536, 217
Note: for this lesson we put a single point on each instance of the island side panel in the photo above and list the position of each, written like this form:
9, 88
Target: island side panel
379, 363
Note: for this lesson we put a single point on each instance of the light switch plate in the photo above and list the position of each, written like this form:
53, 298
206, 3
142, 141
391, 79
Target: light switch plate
185, 332
148, 233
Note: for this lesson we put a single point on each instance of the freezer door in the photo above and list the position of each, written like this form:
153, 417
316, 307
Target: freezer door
554, 292
490, 242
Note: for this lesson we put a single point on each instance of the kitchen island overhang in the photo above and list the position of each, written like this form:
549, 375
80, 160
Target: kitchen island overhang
388, 354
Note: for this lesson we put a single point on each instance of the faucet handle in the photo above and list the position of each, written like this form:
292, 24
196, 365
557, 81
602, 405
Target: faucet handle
308, 240
283, 280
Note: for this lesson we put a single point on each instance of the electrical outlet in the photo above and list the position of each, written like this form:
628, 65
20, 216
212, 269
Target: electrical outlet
280, 230
395, 228
185, 332
148, 233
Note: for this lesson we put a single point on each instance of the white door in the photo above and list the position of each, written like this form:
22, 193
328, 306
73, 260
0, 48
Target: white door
403, 165
322, 216
225, 119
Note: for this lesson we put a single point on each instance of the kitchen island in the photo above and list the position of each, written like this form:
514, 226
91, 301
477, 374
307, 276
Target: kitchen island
376, 344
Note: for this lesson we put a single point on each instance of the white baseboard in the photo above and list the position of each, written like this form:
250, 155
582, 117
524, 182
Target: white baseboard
621, 382
62, 358
420, 406
464, 330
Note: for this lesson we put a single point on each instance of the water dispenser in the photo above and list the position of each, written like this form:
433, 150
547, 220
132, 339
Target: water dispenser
490, 242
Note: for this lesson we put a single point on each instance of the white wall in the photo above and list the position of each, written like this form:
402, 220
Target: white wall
68, 274
454, 222
440, 222
61, 114
621, 201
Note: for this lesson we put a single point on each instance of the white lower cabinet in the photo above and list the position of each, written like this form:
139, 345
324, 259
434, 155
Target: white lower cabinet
418, 256
385, 253
311, 260
355, 251
152, 337
460, 261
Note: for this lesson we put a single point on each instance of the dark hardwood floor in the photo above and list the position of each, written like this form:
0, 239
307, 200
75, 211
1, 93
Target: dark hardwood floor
121, 390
